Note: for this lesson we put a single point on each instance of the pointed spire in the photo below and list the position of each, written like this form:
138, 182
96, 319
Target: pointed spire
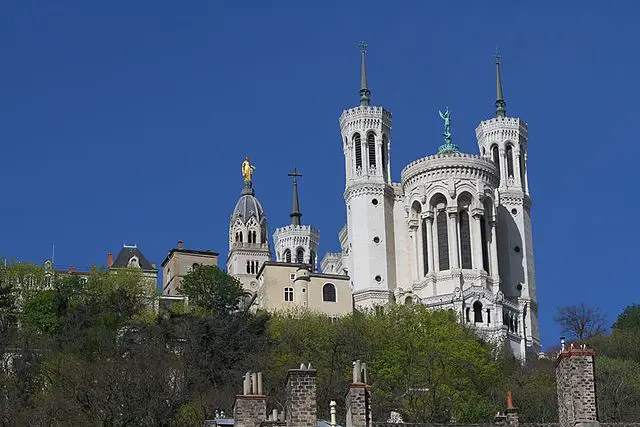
501, 105
295, 210
365, 93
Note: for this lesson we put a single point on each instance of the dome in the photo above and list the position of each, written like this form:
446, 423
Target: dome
248, 206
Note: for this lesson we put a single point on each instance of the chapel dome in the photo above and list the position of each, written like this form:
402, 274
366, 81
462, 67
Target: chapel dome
248, 206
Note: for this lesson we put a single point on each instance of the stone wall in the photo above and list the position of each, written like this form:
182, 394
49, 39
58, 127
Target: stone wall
576, 387
301, 397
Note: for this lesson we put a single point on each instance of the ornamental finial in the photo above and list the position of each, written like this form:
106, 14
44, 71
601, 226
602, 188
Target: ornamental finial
501, 104
448, 146
365, 93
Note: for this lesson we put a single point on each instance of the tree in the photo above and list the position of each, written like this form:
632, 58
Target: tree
629, 318
618, 385
212, 289
580, 321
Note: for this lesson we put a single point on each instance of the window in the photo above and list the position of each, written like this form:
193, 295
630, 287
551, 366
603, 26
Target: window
288, 294
495, 155
477, 312
248, 267
249, 237
194, 266
485, 244
255, 240
300, 256
358, 147
241, 237
371, 146
521, 165
329, 292
287, 255
385, 157
443, 240
465, 239
312, 259
425, 247
510, 161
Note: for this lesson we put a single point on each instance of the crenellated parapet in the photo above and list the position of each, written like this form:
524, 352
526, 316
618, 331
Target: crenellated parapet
361, 117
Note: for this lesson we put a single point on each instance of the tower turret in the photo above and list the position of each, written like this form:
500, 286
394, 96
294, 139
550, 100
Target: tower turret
369, 198
297, 243
504, 140
248, 242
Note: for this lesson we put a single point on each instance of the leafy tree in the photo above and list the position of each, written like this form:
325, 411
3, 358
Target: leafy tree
580, 321
212, 289
618, 386
629, 318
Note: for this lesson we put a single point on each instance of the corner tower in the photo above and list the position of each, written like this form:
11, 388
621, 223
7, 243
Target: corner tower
369, 197
248, 242
504, 140
297, 243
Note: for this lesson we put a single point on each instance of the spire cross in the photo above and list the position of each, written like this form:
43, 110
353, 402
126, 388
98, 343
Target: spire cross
294, 174
497, 56
295, 211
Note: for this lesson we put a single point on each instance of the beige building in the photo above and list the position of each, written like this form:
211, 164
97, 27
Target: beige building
288, 286
179, 262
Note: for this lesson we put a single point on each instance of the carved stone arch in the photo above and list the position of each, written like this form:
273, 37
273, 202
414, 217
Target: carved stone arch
438, 199
465, 200
415, 209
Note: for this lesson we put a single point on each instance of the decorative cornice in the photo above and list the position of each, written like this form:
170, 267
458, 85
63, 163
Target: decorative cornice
367, 189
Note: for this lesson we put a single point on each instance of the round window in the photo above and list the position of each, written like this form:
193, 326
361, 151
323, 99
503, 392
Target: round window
514, 211
376, 239
517, 249
374, 202
378, 279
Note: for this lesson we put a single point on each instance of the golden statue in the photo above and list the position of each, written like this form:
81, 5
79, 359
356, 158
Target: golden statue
247, 170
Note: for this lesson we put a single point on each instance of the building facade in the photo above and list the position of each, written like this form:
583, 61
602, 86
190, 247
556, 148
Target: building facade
180, 262
454, 233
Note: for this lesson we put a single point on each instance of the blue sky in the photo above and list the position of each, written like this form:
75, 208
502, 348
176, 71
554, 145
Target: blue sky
127, 121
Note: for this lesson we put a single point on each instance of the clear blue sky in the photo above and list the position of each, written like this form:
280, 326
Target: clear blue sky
127, 121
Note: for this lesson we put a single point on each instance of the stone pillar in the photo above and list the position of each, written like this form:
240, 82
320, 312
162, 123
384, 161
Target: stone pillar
431, 248
250, 407
301, 397
524, 169
453, 237
504, 178
575, 380
493, 255
516, 166
358, 399
420, 250
476, 239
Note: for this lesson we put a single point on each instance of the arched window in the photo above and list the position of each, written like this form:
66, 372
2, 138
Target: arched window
288, 294
286, 255
477, 312
443, 240
385, 157
485, 244
249, 237
329, 292
495, 155
312, 259
241, 237
408, 301
300, 256
194, 266
255, 240
522, 165
465, 239
425, 247
510, 161
371, 147
248, 267
358, 147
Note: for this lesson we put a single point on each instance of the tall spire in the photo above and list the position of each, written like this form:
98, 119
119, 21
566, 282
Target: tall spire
501, 104
365, 93
295, 210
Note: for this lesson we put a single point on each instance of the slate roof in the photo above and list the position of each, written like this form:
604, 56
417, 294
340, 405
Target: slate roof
126, 253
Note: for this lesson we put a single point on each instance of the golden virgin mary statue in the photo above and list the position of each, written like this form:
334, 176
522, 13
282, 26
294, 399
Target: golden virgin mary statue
247, 170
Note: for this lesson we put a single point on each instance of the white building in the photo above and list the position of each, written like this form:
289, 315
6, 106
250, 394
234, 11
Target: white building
454, 233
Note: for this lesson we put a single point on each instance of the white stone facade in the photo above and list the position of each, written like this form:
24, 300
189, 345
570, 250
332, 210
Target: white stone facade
297, 244
454, 233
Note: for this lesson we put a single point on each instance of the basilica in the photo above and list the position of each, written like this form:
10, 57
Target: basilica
454, 233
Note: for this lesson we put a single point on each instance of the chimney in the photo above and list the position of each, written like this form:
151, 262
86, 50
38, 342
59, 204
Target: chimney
109, 260
301, 397
512, 417
250, 407
71, 270
358, 399
180, 244
576, 385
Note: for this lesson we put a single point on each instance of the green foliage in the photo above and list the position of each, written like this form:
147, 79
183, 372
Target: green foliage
39, 313
212, 289
618, 386
629, 319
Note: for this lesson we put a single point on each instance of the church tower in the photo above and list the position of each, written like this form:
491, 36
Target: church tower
297, 243
504, 140
248, 235
369, 198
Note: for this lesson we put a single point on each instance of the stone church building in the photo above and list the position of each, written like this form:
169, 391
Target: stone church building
454, 233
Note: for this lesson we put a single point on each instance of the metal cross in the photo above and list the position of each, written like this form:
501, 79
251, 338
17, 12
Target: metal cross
497, 56
294, 174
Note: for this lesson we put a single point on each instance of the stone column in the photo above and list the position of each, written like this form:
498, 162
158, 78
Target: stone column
493, 254
516, 166
453, 237
504, 178
524, 169
430, 246
476, 239
576, 388
420, 250
301, 397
